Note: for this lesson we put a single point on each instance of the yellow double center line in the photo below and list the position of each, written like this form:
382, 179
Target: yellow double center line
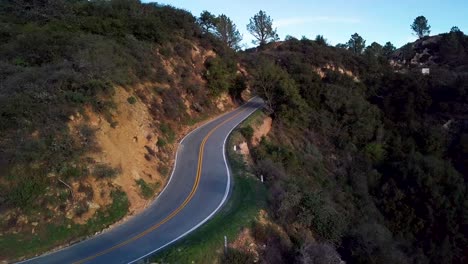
176, 211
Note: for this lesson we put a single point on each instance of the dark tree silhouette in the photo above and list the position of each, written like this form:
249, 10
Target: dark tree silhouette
421, 27
261, 27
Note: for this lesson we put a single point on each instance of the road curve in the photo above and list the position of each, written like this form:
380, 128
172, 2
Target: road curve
197, 189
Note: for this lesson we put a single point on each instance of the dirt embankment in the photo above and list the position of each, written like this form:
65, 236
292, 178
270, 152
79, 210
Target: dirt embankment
122, 144
254, 240
139, 140
261, 128
322, 71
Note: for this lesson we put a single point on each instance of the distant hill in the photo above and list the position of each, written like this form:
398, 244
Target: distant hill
448, 51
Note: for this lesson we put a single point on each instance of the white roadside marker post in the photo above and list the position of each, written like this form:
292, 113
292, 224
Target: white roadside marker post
261, 178
225, 244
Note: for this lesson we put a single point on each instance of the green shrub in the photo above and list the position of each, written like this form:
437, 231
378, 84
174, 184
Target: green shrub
73, 171
97, 86
131, 100
147, 191
23, 194
173, 106
119, 206
18, 61
161, 142
167, 131
192, 89
114, 212
159, 90
220, 75
239, 85
184, 50
164, 170
247, 132
375, 152
75, 97
166, 51
105, 171
328, 223
114, 124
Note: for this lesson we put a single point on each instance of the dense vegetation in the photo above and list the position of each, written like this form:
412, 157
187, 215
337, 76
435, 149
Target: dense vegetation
364, 163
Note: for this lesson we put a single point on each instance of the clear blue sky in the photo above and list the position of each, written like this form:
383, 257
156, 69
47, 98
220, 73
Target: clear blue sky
374, 20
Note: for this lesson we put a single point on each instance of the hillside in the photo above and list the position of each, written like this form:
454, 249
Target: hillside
364, 163
445, 51
94, 97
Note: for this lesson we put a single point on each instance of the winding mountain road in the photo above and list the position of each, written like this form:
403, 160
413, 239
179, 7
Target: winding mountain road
198, 187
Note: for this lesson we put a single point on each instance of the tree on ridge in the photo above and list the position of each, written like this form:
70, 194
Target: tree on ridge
261, 27
421, 27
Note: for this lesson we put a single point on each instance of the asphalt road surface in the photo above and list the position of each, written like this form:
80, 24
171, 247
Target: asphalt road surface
198, 187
